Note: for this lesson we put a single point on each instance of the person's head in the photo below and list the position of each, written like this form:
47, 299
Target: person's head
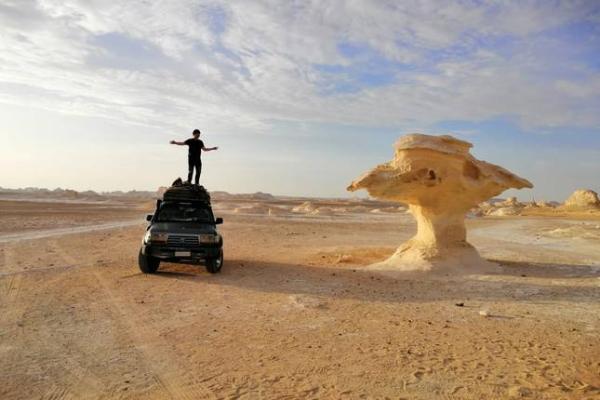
196, 133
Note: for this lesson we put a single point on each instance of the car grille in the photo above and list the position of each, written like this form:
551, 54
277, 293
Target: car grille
182, 240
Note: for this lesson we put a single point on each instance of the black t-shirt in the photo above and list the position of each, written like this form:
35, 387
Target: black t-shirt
196, 146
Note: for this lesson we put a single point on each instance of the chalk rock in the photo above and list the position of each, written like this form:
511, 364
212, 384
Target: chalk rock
306, 207
323, 211
510, 202
485, 205
504, 211
531, 204
583, 198
440, 181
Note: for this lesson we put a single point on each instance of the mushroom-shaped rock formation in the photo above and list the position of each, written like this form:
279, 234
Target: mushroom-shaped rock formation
441, 181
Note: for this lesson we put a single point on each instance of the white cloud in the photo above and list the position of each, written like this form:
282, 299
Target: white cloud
261, 67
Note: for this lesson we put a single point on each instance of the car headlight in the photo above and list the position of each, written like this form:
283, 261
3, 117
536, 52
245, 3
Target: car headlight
208, 238
155, 237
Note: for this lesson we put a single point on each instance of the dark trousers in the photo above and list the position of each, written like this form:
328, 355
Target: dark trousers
194, 163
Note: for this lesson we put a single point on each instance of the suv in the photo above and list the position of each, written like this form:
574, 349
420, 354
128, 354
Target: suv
182, 230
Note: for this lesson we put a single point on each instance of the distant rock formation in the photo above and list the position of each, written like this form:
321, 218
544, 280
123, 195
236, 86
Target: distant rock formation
260, 209
510, 202
323, 211
261, 196
508, 207
305, 208
504, 211
544, 204
90, 194
583, 199
220, 195
441, 181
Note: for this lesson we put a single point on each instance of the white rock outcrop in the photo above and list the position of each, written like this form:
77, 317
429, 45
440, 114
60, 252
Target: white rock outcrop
305, 208
441, 181
323, 211
583, 198
544, 204
510, 202
504, 211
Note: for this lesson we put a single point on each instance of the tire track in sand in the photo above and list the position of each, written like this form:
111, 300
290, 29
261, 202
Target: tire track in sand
44, 233
15, 307
168, 375
56, 393
10, 287
85, 384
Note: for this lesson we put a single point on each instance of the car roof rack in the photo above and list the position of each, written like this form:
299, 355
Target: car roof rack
187, 192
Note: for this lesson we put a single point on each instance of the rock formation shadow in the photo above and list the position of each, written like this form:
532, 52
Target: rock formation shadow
363, 285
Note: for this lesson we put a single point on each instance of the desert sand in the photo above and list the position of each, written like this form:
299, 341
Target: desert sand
295, 313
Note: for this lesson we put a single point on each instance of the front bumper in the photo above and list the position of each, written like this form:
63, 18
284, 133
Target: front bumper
196, 254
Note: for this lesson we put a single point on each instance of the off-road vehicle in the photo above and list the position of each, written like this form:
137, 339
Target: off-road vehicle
182, 230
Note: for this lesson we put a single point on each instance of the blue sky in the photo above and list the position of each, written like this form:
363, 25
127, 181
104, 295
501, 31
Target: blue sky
300, 97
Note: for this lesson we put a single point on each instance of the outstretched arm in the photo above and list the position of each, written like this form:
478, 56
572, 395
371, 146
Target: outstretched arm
177, 143
210, 148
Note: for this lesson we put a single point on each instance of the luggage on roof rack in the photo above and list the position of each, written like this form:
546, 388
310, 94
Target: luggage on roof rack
186, 192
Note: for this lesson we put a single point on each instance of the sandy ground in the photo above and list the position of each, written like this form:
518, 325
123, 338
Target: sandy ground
28, 216
294, 314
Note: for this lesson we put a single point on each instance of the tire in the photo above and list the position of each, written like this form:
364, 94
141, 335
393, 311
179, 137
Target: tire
214, 265
148, 265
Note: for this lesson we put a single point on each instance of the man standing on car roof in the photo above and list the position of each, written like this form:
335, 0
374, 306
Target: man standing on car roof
196, 146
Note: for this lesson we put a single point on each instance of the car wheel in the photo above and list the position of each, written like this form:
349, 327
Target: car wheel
213, 265
148, 265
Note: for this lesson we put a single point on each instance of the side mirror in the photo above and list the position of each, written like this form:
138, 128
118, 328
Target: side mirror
218, 221
149, 217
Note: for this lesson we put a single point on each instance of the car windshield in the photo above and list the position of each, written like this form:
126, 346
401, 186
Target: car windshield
184, 213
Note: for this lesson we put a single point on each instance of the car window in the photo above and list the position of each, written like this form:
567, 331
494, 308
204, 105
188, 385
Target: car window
184, 213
